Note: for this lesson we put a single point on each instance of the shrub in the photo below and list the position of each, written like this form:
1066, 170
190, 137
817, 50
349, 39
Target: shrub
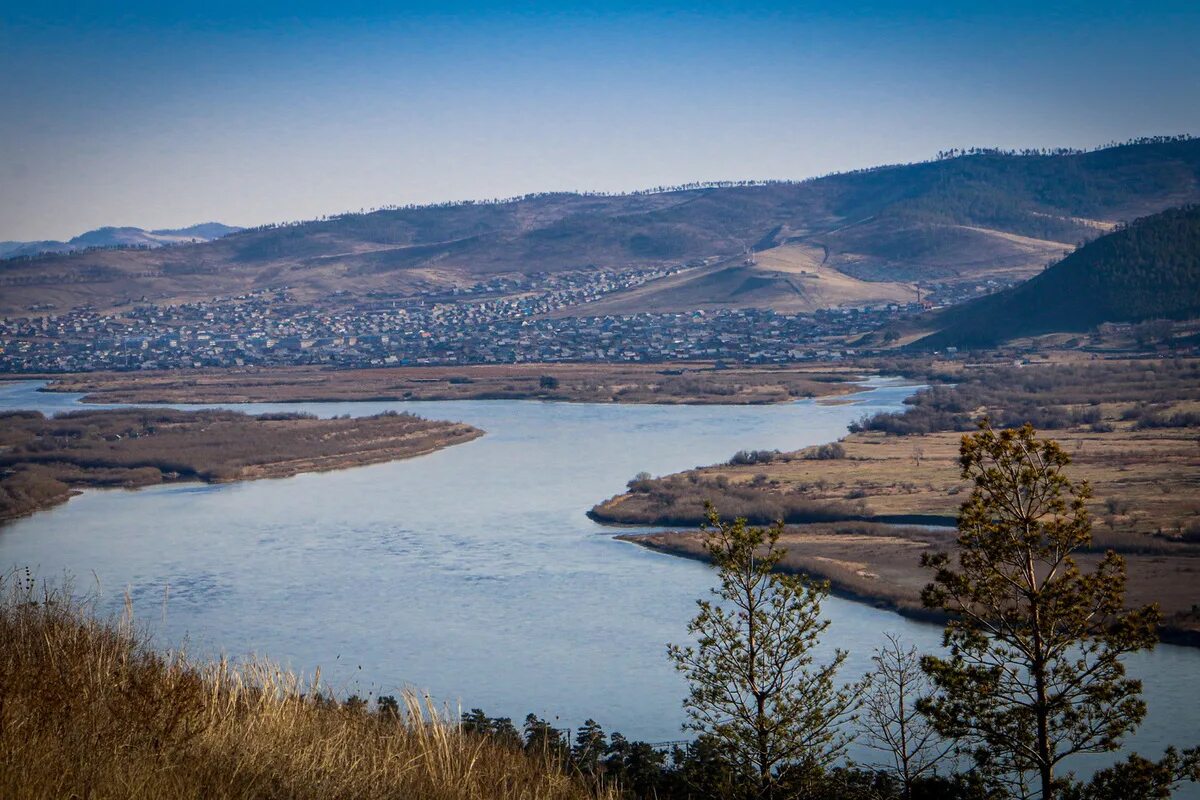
826, 452
680, 499
1048, 397
747, 457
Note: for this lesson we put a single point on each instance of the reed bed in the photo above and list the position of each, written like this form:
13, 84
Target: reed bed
88, 709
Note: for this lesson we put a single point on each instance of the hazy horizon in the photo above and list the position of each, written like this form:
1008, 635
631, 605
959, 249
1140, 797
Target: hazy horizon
167, 117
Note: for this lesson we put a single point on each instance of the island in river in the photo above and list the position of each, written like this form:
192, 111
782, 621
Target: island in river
45, 460
695, 383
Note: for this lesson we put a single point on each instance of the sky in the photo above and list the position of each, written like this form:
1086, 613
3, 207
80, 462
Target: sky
164, 114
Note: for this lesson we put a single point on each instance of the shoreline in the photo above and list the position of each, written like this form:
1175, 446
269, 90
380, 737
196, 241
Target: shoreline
1129, 431
886, 598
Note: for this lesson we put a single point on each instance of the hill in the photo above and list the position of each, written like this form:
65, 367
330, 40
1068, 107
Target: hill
120, 237
1148, 270
977, 214
791, 278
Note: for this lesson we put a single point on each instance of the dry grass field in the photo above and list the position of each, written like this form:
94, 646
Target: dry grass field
1144, 482
693, 382
88, 709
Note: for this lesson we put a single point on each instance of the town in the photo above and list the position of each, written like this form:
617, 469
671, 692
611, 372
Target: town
536, 318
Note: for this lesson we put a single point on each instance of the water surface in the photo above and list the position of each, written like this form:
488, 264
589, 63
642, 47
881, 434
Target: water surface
472, 572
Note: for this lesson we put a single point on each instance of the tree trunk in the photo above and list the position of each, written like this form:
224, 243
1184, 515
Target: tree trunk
1041, 706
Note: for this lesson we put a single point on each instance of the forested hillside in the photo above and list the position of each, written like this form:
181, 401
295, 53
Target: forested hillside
968, 215
1148, 270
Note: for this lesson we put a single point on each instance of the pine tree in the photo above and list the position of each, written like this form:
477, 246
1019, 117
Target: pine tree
590, 745
543, 740
754, 689
1033, 674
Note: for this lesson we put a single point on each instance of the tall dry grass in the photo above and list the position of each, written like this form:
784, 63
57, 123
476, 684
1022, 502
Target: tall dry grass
89, 710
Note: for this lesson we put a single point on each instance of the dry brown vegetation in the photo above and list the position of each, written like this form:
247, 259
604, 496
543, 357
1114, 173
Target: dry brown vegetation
1052, 395
1130, 428
90, 710
679, 500
693, 382
43, 458
1145, 482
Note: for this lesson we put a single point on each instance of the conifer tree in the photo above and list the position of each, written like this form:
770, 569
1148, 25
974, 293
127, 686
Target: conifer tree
1033, 674
754, 689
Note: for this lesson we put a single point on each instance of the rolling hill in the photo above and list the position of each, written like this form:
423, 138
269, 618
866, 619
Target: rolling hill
974, 215
1148, 270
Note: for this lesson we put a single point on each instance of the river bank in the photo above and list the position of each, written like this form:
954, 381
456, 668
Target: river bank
879, 565
1144, 481
691, 383
44, 461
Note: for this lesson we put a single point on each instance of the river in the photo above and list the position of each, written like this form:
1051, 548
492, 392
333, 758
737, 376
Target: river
471, 573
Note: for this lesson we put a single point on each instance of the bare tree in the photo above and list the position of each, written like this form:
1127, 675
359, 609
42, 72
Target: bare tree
891, 722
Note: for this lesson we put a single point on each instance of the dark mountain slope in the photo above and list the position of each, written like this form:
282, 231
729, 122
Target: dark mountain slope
1148, 270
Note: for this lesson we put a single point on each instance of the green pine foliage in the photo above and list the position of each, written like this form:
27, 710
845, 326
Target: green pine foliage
1147, 270
775, 715
1034, 671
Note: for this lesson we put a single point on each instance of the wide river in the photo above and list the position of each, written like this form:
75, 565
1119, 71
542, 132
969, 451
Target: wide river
471, 573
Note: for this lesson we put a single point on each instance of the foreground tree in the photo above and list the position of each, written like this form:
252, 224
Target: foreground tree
1033, 675
754, 689
891, 722
1140, 778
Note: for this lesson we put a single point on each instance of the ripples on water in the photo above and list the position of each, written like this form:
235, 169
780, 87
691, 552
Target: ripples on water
471, 572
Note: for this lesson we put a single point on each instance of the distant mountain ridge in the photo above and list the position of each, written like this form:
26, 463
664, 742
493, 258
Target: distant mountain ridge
112, 236
969, 217
1147, 270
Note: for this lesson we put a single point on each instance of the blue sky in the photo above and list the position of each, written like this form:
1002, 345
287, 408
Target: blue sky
165, 114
